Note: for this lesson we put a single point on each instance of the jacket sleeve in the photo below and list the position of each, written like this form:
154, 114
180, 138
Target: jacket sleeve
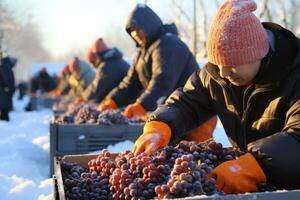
129, 88
186, 108
101, 84
90, 92
278, 154
168, 62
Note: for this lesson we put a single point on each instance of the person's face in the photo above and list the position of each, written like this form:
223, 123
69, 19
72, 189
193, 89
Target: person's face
139, 36
240, 75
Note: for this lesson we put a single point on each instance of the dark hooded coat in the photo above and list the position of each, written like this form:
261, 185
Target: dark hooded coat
164, 64
109, 74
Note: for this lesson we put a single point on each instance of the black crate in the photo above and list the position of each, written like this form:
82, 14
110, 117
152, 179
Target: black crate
68, 139
57, 112
82, 160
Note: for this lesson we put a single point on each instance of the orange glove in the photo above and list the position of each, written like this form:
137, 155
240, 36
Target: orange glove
107, 104
202, 132
79, 99
239, 176
156, 136
71, 106
134, 110
55, 93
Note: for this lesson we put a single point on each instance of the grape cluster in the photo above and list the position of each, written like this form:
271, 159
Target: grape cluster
172, 172
103, 164
86, 113
110, 117
69, 116
63, 103
265, 187
80, 184
137, 176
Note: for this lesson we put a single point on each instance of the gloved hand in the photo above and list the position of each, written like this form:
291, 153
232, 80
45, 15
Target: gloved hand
107, 104
79, 99
134, 110
202, 132
239, 176
71, 106
55, 93
156, 135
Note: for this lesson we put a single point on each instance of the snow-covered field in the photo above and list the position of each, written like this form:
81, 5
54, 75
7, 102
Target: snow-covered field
24, 154
24, 159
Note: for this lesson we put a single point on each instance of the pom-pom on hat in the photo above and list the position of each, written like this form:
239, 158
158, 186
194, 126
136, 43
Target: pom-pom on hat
236, 36
99, 46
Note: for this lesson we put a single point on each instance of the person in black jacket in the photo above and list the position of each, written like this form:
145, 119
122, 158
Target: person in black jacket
111, 69
252, 83
42, 82
163, 63
7, 86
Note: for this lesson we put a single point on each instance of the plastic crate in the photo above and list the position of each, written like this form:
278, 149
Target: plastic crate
82, 160
42, 102
67, 139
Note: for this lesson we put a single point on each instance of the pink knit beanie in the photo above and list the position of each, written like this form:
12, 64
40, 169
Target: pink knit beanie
236, 36
99, 46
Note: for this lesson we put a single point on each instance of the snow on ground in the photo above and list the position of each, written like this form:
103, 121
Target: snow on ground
24, 153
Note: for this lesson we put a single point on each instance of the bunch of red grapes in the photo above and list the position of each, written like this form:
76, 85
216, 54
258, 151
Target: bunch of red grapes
81, 184
172, 172
88, 114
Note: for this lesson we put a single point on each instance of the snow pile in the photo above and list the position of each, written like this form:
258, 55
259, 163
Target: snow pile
24, 155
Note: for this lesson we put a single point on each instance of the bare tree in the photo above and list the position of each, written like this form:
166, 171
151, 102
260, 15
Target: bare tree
183, 21
294, 16
203, 29
283, 13
23, 40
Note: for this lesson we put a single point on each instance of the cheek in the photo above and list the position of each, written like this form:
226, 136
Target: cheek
247, 77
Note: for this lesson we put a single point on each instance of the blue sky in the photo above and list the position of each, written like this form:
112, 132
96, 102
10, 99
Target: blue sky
69, 24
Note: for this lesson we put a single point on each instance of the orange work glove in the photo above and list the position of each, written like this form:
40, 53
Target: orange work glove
202, 132
107, 104
134, 110
79, 99
239, 176
156, 135
71, 106
55, 93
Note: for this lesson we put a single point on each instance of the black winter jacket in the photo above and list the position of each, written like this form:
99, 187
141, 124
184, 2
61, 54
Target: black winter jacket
7, 83
109, 74
163, 65
263, 119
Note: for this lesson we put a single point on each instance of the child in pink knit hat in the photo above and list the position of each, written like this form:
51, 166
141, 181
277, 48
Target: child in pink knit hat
252, 83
